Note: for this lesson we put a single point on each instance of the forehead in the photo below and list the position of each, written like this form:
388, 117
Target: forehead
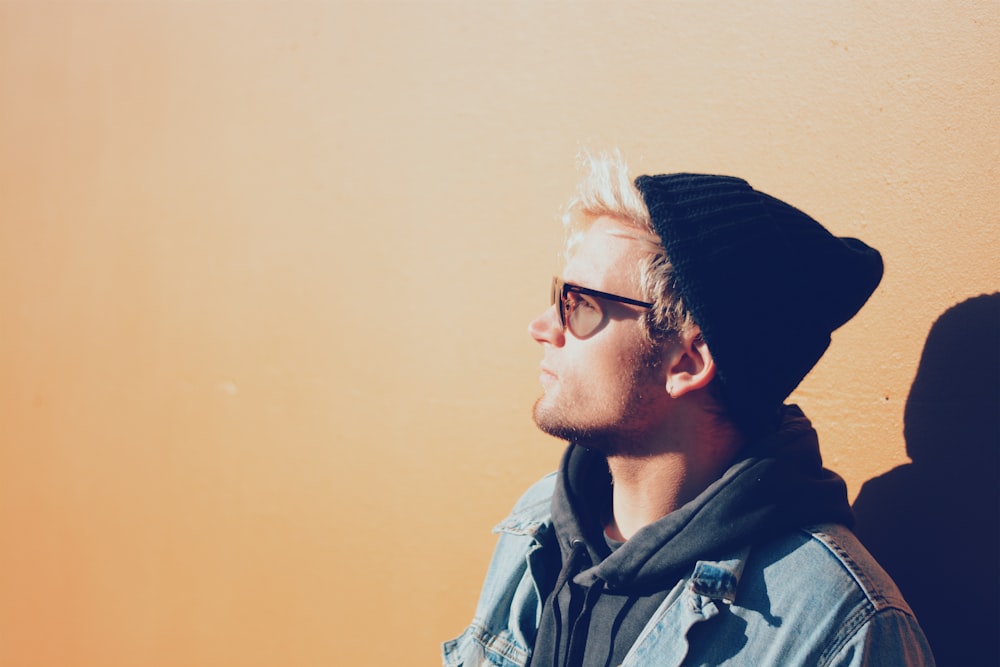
606, 255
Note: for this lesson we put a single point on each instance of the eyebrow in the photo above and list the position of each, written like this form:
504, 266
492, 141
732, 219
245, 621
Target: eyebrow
573, 287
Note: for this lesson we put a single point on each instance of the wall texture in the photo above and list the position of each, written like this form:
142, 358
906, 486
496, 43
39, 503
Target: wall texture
266, 268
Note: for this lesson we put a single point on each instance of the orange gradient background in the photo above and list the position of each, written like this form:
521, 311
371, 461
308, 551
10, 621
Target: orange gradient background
266, 271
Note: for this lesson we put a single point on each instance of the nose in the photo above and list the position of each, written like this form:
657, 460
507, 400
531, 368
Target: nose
546, 328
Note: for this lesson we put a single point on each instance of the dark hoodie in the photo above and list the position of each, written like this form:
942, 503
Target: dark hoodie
606, 592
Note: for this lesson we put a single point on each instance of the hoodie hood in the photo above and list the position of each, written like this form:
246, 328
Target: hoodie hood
777, 485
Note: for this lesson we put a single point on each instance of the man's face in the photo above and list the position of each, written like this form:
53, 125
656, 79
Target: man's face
607, 388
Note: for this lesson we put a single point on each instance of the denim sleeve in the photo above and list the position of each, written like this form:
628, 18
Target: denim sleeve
503, 628
890, 637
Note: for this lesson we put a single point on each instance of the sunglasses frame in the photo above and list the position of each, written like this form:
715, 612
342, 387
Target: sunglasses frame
561, 288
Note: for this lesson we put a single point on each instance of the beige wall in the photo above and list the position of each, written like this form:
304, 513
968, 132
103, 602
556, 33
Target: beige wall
265, 273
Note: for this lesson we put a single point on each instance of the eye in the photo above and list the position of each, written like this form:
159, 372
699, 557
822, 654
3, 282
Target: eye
583, 315
575, 300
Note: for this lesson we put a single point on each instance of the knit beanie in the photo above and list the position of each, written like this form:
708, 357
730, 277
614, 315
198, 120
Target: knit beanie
765, 282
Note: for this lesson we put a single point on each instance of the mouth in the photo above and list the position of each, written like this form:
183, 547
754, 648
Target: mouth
547, 376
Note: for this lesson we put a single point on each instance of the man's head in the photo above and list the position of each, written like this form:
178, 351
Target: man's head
603, 378
758, 282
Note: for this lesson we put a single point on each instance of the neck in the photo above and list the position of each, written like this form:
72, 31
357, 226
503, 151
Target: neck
649, 486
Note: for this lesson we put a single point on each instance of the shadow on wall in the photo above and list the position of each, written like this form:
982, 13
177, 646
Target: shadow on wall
934, 524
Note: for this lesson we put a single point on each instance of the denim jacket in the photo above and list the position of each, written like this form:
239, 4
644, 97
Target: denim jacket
812, 597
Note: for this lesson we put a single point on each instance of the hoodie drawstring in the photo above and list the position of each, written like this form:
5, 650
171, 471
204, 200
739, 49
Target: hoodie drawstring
565, 574
581, 626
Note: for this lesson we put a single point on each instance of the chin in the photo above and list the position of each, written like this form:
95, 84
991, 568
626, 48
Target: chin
559, 426
548, 421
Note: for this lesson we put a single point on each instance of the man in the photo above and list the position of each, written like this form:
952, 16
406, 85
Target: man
691, 520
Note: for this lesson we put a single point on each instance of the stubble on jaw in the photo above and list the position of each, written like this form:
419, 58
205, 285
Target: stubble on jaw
567, 419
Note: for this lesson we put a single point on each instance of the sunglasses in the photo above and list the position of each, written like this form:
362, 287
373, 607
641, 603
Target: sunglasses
579, 309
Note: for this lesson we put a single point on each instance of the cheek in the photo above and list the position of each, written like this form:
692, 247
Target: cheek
642, 365
617, 360
630, 365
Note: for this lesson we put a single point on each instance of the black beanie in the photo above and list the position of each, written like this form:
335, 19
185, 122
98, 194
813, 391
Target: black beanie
765, 282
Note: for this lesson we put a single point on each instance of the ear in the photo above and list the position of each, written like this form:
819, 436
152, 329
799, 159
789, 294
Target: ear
689, 364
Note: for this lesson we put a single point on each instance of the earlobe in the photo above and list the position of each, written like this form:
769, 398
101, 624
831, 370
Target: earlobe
690, 365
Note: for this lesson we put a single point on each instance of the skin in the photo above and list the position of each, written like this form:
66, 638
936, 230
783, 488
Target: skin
645, 406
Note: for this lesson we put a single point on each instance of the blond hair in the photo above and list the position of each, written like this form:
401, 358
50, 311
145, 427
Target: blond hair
607, 189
